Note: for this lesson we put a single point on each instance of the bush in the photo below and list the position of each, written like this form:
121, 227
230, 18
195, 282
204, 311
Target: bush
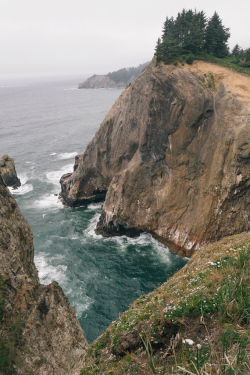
190, 59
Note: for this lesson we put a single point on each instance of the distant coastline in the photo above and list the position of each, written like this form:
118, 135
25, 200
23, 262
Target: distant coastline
117, 79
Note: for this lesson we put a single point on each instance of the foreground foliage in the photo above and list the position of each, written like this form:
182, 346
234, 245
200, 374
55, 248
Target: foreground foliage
198, 322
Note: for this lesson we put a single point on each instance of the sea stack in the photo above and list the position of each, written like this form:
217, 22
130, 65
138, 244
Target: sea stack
8, 172
173, 155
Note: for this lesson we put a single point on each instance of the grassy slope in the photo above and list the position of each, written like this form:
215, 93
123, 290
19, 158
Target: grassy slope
228, 62
207, 301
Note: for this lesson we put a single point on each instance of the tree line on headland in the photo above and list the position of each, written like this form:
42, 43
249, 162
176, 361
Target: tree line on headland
125, 74
191, 35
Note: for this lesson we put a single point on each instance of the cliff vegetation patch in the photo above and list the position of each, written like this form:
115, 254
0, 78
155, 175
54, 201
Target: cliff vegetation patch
192, 36
198, 322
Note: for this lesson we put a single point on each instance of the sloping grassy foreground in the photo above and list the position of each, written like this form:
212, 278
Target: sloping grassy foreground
198, 322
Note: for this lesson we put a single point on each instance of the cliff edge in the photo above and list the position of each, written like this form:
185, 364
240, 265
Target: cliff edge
39, 330
171, 157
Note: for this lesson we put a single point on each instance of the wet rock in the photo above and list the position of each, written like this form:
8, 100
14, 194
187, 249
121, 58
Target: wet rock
8, 172
76, 193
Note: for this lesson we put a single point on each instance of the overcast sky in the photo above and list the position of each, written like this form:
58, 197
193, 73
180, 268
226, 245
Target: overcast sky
83, 37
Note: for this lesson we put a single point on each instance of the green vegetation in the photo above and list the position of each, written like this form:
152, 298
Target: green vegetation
198, 322
192, 36
125, 74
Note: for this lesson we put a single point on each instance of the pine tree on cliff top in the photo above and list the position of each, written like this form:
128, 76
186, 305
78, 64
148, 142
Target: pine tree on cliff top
158, 51
194, 32
168, 26
216, 37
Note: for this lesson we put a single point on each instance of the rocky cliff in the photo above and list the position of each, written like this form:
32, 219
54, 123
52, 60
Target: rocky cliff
8, 172
39, 330
172, 157
101, 82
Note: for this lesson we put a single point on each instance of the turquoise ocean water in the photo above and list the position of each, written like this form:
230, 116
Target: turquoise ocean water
43, 126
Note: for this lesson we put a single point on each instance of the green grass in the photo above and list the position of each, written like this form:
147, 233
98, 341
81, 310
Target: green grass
214, 286
227, 62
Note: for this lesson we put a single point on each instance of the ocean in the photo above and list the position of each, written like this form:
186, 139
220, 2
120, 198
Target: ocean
43, 126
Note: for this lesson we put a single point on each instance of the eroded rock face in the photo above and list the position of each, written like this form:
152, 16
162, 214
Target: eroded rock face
51, 338
8, 172
175, 157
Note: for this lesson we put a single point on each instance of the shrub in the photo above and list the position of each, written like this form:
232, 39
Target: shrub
190, 59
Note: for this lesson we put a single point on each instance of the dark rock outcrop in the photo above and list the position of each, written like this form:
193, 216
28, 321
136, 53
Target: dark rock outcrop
8, 172
50, 339
175, 157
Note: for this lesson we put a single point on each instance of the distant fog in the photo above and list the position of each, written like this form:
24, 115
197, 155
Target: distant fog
60, 38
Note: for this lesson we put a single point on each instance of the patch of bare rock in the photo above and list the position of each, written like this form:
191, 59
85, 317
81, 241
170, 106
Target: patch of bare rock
39, 330
172, 157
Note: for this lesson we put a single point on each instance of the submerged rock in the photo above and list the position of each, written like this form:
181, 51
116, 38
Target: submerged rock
40, 329
173, 157
8, 172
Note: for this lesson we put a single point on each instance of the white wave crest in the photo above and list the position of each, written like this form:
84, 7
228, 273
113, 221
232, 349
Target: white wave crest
53, 154
47, 272
90, 230
95, 206
23, 189
67, 155
55, 176
48, 201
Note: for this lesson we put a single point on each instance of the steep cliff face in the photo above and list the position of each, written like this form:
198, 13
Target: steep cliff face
173, 155
8, 171
101, 82
39, 330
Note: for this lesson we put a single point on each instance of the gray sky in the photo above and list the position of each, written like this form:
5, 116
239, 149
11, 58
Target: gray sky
83, 37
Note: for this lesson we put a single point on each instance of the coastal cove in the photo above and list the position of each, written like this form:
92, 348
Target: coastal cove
44, 127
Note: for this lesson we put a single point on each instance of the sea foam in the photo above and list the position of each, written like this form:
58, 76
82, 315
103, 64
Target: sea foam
47, 272
24, 188
54, 176
48, 201
67, 155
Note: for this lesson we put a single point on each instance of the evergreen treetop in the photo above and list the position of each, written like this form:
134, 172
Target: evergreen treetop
216, 37
192, 33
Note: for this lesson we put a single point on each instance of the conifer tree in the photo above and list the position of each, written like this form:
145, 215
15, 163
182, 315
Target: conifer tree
216, 37
236, 50
245, 58
170, 47
194, 37
158, 51
168, 26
